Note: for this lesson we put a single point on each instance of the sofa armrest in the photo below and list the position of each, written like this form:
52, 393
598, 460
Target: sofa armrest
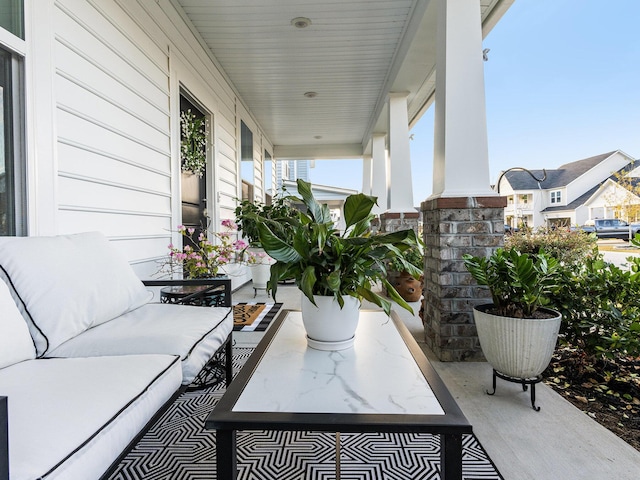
216, 285
4, 439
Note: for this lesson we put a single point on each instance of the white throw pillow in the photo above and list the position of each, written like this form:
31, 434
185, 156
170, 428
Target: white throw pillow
16, 344
69, 283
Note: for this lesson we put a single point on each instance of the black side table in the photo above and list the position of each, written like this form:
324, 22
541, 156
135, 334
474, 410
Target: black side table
197, 295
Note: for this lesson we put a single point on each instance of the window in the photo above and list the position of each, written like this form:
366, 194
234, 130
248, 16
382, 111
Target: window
12, 160
11, 16
556, 197
246, 161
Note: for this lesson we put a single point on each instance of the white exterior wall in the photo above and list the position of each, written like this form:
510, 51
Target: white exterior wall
596, 175
104, 129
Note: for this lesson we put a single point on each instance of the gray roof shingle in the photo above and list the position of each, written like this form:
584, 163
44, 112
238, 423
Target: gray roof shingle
560, 177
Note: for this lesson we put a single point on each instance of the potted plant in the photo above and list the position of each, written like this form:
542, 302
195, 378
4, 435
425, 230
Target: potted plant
405, 272
333, 269
250, 213
517, 332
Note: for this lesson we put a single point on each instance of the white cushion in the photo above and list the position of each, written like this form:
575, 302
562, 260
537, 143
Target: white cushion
69, 283
193, 333
16, 344
74, 417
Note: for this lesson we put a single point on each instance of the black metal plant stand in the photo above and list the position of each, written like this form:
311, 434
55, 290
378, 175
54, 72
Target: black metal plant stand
525, 382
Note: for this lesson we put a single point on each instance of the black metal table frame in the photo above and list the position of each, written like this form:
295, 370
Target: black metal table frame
219, 367
450, 426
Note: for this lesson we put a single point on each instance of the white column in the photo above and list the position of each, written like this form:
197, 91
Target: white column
366, 174
379, 183
461, 158
401, 188
40, 109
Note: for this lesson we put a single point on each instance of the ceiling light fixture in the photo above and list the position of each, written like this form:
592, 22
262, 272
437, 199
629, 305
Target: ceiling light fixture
301, 22
310, 94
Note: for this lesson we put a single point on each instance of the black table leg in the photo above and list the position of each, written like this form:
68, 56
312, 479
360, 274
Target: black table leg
451, 456
226, 455
228, 353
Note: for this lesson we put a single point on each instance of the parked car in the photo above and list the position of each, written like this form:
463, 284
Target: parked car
611, 228
509, 229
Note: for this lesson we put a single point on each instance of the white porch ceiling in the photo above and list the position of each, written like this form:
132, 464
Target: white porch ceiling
352, 55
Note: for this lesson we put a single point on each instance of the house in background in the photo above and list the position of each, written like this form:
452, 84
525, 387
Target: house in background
572, 194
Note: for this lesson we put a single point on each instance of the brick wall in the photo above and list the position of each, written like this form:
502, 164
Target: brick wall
451, 228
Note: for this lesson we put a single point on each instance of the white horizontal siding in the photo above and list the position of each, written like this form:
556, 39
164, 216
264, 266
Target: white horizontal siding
113, 126
113, 99
117, 224
81, 161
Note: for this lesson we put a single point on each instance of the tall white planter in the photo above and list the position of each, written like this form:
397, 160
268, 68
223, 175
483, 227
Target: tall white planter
520, 348
328, 326
260, 274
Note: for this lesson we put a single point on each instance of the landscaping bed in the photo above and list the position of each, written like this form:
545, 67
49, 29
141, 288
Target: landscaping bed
607, 390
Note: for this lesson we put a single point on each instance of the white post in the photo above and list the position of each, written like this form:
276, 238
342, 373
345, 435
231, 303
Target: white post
401, 194
366, 174
42, 159
461, 158
379, 181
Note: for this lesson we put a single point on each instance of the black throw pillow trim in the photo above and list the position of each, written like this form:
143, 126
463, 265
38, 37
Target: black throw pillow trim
6, 274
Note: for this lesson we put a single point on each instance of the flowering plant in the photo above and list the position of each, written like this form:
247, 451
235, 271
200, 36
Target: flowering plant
200, 257
258, 258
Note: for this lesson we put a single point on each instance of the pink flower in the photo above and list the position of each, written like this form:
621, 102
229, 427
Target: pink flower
181, 228
191, 230
228, 223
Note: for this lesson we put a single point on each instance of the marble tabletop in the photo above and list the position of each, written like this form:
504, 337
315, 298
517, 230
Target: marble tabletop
377, 376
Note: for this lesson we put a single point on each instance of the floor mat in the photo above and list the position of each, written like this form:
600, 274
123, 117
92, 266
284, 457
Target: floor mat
254, 317
178, 447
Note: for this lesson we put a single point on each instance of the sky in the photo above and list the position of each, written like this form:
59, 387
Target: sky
562, 83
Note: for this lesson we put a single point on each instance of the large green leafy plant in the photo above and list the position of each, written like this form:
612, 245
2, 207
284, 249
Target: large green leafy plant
519, 283
324, 261
249, 214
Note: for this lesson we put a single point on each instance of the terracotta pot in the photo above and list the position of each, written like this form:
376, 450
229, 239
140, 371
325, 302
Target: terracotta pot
328, 326
408, 287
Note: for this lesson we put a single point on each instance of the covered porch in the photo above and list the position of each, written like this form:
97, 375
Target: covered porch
106, 84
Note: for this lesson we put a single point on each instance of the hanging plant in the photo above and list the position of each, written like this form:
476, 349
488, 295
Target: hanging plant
193, 143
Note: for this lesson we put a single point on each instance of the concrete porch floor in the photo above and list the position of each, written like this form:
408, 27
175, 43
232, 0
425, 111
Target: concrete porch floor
559, 442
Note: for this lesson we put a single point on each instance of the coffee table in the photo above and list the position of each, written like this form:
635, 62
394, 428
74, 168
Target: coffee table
383, 384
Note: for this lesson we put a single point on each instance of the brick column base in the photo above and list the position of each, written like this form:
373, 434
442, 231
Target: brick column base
453, 227
392, 222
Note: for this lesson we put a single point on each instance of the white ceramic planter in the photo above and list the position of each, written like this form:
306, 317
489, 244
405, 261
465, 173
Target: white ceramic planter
260, 275
328, 326
517, 347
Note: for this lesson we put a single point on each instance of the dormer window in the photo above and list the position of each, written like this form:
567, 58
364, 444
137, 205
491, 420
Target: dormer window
556, 197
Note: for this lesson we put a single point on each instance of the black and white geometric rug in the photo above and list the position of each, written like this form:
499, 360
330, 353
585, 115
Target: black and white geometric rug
178, 448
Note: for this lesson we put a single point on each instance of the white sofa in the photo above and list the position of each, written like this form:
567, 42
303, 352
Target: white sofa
86, 360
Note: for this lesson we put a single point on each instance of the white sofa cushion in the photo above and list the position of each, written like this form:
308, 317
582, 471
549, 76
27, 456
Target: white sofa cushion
69, 283
73, 417
16, 344
193, 333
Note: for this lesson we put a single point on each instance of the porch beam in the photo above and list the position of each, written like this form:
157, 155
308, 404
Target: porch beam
319, 151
